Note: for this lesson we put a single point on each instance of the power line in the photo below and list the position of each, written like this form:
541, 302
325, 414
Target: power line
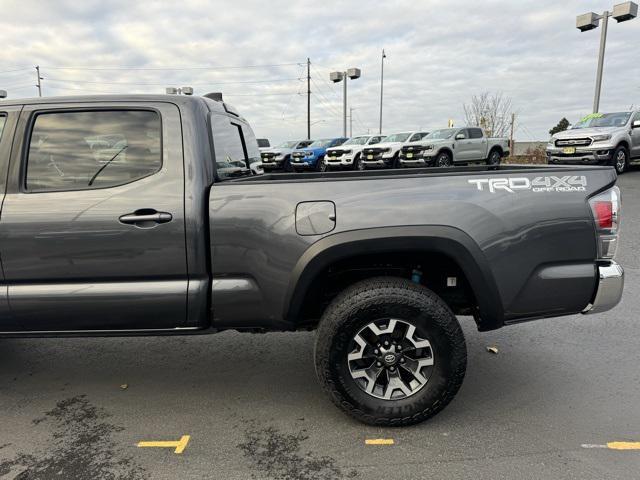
270, 80
133, 67
16, 70
93, 90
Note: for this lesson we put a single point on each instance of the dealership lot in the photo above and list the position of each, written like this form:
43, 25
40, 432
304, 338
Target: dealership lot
77, 408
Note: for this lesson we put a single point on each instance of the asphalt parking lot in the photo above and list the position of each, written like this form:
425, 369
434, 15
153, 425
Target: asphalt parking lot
250, 404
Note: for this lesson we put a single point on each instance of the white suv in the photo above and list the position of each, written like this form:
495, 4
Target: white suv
348, 155
385, 154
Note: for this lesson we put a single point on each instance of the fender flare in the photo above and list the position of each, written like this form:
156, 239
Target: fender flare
446, 240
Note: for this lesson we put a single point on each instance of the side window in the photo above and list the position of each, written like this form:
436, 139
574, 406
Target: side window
3, 120
636, 117
235, 146
464, 132
415, 137
375, 140
475, 133
92, 149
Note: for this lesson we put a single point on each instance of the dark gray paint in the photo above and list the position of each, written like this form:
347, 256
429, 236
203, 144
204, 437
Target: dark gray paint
242, 234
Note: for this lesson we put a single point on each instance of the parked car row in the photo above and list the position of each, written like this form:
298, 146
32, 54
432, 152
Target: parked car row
440, 148
599, 139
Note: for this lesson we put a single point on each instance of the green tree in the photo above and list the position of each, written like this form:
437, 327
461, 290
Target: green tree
560, 127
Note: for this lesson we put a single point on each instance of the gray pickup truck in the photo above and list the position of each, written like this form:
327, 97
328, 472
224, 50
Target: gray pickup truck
599, 139
138, 215
450, 146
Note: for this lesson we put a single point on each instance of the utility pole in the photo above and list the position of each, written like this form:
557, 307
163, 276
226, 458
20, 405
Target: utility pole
513, 121
308, 99
39, 85
381, 85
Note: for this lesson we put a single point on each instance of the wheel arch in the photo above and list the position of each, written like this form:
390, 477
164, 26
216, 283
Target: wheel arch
446, 150
625, 144
494, 148
445, 240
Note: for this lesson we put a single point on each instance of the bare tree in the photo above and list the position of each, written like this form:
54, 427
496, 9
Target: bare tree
491, 111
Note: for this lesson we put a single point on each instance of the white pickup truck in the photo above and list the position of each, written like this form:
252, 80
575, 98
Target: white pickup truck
385, 154
348, 154
448, 146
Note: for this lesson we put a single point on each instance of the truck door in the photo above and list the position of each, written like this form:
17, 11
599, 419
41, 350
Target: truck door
635, 137
92, 234
478, 145
8, 119
463, 146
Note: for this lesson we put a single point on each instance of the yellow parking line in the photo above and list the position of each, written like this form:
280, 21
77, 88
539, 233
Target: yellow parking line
179, 445
624, 445
379, 441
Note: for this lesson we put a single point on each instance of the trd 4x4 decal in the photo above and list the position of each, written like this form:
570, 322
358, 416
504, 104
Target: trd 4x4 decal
568, 183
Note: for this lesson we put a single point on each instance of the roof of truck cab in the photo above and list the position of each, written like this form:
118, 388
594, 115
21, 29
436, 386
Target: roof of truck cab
180, 100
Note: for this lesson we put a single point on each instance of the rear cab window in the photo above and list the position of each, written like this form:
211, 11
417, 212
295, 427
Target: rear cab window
80, 150
475, 133
235, 146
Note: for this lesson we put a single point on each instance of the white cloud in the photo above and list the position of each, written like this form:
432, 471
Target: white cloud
439, 54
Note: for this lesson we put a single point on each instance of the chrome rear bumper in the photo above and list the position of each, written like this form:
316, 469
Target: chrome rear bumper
609, 289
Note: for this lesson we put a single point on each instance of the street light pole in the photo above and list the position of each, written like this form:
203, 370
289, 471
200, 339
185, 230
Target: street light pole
336, 77
603, 43
344, 107
588, 21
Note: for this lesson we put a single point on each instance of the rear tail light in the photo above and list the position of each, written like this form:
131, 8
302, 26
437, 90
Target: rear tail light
605, 208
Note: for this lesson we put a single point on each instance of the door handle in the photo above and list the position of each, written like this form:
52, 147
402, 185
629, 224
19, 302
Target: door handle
146, 218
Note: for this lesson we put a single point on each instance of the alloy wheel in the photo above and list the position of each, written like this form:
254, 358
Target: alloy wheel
389, 361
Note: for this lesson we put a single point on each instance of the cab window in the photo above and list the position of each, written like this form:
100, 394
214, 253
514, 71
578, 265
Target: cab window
475, 133
83, 150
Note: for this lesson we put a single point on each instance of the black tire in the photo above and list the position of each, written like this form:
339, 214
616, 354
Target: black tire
395, 162
494, 158
375, 300
620, 160
356, 163
320, 165
443, 160
287, 164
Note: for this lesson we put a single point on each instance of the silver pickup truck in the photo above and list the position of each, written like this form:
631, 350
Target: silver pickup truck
446, 147
599, 139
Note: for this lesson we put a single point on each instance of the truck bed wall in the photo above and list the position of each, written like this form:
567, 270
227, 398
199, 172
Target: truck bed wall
540, 246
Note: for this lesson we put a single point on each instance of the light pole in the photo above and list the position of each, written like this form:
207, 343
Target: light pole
336, 77
588, 21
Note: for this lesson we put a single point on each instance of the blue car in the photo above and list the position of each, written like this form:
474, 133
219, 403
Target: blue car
312, 157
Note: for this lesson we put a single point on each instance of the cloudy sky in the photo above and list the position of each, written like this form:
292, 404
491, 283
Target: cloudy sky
439, 53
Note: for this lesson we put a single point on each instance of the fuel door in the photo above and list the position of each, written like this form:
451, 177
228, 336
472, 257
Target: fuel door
315, 218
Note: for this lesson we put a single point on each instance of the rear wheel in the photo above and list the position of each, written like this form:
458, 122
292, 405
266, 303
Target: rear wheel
620, 159
390, 352
494, 158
